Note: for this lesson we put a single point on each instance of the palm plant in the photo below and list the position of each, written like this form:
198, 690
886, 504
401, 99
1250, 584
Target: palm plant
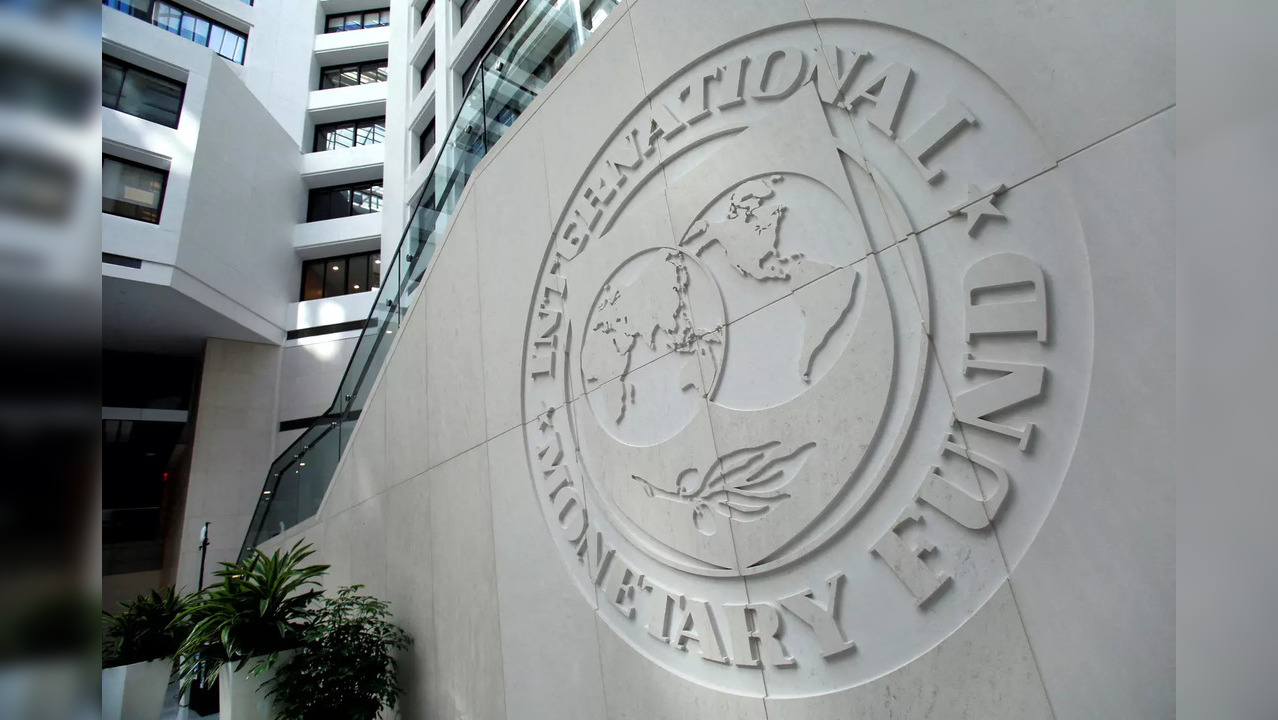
259, 608
152, 627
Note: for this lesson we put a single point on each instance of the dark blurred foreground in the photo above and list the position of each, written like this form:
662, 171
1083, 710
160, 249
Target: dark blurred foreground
49, 316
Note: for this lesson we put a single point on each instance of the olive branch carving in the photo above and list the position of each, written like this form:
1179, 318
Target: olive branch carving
743, 485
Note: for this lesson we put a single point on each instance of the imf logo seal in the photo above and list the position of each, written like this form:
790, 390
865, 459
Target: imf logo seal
806, 360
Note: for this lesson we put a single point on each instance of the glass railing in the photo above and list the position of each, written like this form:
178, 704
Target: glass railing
531, 47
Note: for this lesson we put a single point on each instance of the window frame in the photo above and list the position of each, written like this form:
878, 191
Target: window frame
351, 188
422, 148
360, 14
465, 9
588, 5
346, 274
129, 7
164, 188
359, 69
355, 125
427, 69
129, 67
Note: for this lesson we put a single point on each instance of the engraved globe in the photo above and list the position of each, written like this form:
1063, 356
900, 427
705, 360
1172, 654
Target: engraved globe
654, 342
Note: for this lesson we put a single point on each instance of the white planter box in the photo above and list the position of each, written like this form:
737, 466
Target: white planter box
134, 692
241, 696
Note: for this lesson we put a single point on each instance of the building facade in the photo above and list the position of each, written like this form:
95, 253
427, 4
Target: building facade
258, 161
661, 359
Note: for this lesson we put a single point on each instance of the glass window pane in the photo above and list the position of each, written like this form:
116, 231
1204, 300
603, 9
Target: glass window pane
201, 31
335, 277
112, 80
168, 18
470, 71
313, 280
372, 19
593, 12
330, 78
226, 48
137, 8
217, 36
343, 137
151, 97
334, 24
375, 271
341, 202
359, 202
352, 22
427, 70
357, 274
467, 6
373, 73
426, 141
131, 190
349, 76
241, 44
319, 207
328, 137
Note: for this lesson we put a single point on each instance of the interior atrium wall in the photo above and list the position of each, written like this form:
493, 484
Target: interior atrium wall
794, 360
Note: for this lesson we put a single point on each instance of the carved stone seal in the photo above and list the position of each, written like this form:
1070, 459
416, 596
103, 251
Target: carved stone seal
786, 373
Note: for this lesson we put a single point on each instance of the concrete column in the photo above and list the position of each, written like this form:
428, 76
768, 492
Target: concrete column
235, 427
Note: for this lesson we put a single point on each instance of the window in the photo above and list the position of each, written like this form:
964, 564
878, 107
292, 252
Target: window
198, 29
344, 201
427, 69
338, 76
357, 20
426, 141
465, 8
594, 12
501, 43
426, 10
141, 93
131, 190
471, 71
344, 275
335, 136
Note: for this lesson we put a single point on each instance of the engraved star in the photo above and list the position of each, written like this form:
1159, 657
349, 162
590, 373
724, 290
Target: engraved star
978, 207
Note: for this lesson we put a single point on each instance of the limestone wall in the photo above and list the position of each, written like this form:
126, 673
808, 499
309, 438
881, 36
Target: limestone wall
794, 360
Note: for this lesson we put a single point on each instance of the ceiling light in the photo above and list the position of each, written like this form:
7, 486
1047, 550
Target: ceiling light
377, 262
356, 287
336, 268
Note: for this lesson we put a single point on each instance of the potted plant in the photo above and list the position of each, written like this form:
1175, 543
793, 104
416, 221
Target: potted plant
347, 668
242, 625
137, 653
